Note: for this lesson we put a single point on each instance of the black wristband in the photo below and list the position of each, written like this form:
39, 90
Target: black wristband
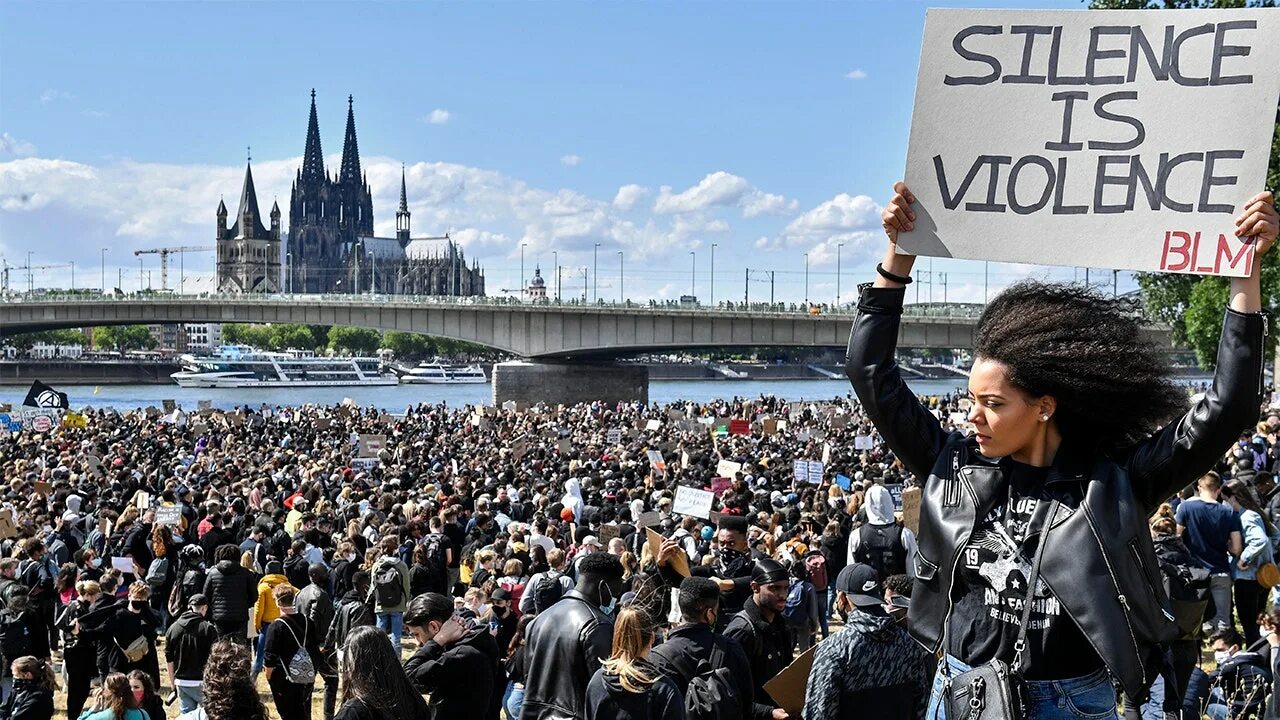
890, 276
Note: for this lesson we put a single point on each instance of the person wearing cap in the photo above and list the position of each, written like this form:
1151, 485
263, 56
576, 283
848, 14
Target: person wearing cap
872, 668
187, 644
762, 632
590, 544
502, 618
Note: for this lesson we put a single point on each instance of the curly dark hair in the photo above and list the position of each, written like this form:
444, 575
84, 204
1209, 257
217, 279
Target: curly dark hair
1113, 388
228, 687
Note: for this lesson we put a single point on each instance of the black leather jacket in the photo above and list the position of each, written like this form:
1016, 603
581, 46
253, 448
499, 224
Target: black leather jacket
566, 644
1100, 564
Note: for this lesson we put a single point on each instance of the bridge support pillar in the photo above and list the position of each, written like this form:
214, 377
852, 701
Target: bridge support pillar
556, 382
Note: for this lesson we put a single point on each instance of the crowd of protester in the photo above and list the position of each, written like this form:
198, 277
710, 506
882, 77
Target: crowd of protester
487, 562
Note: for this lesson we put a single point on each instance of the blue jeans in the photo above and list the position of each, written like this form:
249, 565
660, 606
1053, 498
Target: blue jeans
393, 624
513, 700
259, 647
1084, 698
189, 697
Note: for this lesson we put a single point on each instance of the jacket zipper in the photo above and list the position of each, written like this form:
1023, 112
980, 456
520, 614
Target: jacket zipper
955, 563
1142, 568
951, 497
1262, 368
1124, 601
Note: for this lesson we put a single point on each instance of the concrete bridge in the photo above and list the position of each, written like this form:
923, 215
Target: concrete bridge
555, 337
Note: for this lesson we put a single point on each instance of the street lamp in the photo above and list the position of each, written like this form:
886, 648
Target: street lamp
693, 274
373, 275
104, 271
713, 274
806, 279
31, 288
595, 267
140, 286
556, 256
622, 298
73, 276
522, 285
838, 246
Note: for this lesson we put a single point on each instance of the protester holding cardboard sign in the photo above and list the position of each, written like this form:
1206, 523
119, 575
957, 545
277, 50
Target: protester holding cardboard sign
1081, 431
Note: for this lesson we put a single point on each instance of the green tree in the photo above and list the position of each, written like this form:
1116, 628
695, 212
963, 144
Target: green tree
1193, 305
68, 336
123, 337
356, 340
287, 335
406, 344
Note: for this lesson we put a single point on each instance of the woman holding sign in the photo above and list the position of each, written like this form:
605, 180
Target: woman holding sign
1035, 573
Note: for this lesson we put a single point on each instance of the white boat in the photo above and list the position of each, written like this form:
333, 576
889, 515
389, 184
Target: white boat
438, 373
241, 366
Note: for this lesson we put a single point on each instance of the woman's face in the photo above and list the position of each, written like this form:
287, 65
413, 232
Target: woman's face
1005, 418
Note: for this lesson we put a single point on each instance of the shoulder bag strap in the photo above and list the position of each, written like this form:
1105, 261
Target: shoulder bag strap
1020, 645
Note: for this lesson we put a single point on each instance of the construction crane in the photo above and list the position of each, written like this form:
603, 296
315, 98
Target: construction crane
5, 267
164, 254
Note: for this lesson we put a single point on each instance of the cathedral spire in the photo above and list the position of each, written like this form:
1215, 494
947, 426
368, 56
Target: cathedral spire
350, 172
402, 215
312, 156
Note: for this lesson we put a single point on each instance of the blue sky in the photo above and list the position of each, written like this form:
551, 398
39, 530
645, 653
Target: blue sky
654, 129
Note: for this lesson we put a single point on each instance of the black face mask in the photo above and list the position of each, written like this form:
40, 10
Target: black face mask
501, 611
136, 604
20, 685
728, 555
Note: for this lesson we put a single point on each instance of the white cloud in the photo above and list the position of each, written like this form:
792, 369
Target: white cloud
53, 95
722, 189
95, 113
856, 74
629, 195
439, 116
10, 145
570, 160
852, 220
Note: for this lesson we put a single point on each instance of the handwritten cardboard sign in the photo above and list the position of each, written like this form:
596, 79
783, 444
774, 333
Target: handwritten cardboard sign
911, 509
1121, 154
7, 528
649, 519
693, 501
728, 468
370, 445
168, 515
679, 563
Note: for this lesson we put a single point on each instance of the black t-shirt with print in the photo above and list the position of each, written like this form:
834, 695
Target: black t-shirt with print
991, 584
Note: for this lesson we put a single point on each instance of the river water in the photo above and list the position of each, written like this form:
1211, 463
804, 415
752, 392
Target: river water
397, 397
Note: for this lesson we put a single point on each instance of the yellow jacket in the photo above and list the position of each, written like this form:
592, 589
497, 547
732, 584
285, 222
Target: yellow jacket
266, 610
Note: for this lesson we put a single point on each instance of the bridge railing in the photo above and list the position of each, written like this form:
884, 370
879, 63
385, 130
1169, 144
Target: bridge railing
848, 310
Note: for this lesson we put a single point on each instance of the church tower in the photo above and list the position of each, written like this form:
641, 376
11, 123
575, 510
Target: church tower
248, 253
356, 219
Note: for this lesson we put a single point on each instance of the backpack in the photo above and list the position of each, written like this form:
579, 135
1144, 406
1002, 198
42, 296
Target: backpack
547, 592
881, 548
300, 669
387, 587
157, 572
433, 545
797, 609
710, 695
15, 636
816, 564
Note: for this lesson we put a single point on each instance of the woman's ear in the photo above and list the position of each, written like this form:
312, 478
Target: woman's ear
1048, 406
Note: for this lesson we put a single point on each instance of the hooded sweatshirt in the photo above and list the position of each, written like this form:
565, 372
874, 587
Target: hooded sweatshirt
573, 498
880, 513
871, 669
266, 609
607, 700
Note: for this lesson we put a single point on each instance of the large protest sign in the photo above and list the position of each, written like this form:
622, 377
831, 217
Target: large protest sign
692, 501
1120, 139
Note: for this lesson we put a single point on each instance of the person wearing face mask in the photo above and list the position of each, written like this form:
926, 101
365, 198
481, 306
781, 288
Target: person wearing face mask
502, 619
568, 641
694, 641
456, 664
78, 653
144, 692
33, 686
872, 668
114, 700
1238, 685
762, 631
135, 621
346, 563
731, 570
90, 567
